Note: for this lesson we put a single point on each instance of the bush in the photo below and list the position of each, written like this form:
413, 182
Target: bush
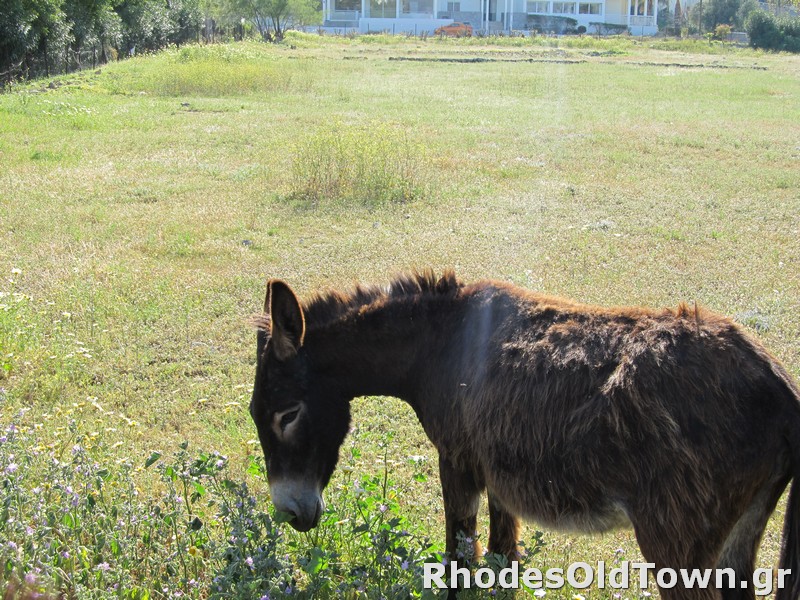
548, 24
722, 32
608, 28
773, 33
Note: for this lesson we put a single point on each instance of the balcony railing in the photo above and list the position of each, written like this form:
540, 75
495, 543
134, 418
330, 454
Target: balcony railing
641, 21
344, 15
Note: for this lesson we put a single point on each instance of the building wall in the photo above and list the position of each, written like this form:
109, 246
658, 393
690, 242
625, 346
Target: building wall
472, 17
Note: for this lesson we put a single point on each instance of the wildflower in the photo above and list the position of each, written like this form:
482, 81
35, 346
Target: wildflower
104, 566
249, 561
404, 565
193, 550
16, 271
12, 546
11, 468
578, 597
383, 508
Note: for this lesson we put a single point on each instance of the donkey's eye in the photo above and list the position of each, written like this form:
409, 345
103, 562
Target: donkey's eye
288, 417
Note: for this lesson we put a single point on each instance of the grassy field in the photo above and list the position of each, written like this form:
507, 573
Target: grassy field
144, 205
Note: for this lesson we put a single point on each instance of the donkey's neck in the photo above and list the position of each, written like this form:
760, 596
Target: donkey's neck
371, 352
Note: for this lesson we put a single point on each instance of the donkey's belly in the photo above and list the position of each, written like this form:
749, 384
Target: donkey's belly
563, 508
595, 519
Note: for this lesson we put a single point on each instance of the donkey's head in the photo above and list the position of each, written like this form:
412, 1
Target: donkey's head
301, 422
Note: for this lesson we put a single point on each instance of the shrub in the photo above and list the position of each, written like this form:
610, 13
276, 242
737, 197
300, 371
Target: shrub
608, 28
722, 32
773, 33
548, 23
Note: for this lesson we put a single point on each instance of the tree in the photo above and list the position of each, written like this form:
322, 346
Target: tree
95, 24
719, 12
745, 8
273, 17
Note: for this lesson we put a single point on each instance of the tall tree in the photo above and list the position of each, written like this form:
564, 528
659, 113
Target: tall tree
718, 12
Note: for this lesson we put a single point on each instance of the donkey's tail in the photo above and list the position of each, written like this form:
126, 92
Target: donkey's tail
790, 553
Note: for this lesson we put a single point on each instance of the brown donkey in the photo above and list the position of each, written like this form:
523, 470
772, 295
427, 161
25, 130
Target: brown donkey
578, 417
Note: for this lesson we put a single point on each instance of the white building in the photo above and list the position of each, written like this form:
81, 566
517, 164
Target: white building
416, 16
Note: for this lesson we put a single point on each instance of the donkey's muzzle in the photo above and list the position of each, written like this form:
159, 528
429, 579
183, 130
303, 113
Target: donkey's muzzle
304, 505
305, 520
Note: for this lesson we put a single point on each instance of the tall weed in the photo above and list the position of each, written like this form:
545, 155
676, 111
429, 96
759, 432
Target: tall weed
370, 165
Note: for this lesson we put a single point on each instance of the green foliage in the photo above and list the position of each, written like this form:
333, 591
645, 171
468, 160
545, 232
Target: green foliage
48, 36
745, 8
75, 523
152, 24
272, 17
719, 12
608, 28
722, 32
773, 33
371, 165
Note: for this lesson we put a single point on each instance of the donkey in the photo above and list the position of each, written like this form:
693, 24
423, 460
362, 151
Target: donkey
672, 421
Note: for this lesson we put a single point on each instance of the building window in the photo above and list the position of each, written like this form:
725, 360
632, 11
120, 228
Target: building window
590, 8
538, 7
454, 7
564, 8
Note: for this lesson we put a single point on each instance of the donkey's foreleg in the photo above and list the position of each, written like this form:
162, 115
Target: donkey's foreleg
503, 531
461, 493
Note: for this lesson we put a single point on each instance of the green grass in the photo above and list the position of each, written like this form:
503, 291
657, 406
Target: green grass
142, 208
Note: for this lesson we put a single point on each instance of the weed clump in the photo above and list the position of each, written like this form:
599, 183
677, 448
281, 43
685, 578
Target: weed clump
372, 165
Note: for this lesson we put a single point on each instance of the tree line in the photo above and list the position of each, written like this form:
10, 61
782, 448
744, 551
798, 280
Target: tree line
45, 37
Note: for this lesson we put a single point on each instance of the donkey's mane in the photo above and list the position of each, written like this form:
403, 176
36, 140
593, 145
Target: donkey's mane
332, 305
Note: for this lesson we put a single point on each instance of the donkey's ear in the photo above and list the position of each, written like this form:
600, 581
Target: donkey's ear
288, 324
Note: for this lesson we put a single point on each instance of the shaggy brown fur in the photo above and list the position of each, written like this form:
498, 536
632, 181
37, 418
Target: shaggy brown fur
578, 417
